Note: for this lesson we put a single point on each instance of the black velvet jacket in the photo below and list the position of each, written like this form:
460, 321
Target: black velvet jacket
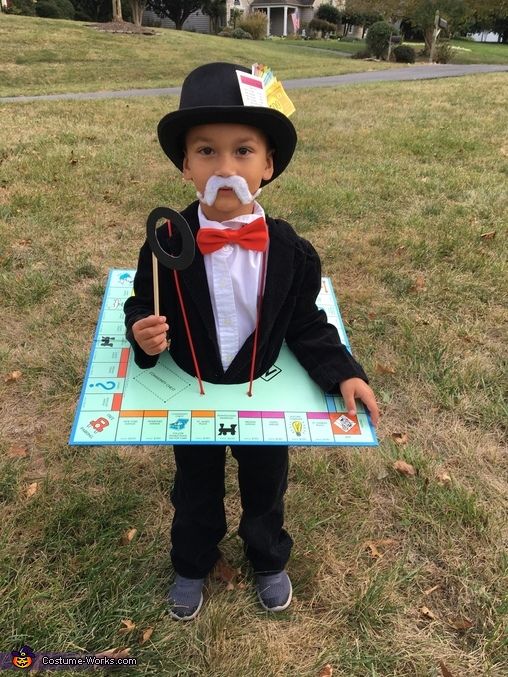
289, 312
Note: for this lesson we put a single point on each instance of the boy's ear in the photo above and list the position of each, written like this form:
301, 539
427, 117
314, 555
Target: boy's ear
185, 168
268, 173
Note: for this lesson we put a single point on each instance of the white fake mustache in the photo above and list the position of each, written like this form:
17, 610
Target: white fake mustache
237, 183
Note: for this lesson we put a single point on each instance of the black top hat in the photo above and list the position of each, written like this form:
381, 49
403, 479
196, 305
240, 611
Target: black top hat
211, 93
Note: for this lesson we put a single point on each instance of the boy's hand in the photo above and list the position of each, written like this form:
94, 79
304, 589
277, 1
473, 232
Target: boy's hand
150, 334
355, 387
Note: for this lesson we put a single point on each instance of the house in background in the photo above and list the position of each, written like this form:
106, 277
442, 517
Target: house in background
285, 17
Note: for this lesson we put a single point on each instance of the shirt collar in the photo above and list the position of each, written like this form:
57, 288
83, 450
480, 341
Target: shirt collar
236, 223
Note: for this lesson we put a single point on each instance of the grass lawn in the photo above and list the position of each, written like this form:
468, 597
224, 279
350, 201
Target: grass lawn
465, 51
44, 56
402, 189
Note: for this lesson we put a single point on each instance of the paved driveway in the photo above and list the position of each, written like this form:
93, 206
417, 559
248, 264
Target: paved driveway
404, 73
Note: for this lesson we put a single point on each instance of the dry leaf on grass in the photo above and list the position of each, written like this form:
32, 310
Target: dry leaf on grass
488, 236
17, 451
117, 652
461, 623
13, 376
380, 543
400, 438
404, 468
431, 590
25, 243
146, 635
127, 536
384, 369
223, 571
444, 670
419, 284
32, 489
425, 611
128, 626
326, 671
443, 478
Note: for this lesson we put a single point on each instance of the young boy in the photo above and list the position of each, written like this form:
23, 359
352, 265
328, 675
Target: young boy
229, 150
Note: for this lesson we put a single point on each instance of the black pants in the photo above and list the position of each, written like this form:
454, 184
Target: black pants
199, 523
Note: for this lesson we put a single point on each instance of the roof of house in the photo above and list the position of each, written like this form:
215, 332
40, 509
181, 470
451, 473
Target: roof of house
281, 3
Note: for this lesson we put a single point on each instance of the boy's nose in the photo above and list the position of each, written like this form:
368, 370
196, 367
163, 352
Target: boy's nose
224, 172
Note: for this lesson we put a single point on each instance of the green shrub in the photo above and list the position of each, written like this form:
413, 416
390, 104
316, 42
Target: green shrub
378, 38
329, 13
443, 52
322, 26
255, 24
226, 32
55, 9
240, 34
361, 54
404, 54
25, 7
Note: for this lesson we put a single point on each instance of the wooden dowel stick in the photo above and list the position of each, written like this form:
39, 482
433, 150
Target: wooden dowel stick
155, 273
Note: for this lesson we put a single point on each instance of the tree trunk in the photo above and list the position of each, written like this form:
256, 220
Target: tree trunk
137, 8
117, 10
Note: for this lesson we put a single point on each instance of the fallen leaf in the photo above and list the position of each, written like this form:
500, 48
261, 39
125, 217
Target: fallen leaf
18, 451
128, 626
13, 376
401, 249
443, 478
461, 624
384, 369
419, 283
382, 474
400, 438
32, 489
146, 635
380, 543
223, 571
404, 468
372, 315
127, 536
488, 236
117, 652
326, 671
444, 670
24, 243
430, 590
425, 611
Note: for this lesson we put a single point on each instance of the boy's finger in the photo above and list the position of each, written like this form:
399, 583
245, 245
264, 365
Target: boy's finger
349, 401
371, 404
150, 321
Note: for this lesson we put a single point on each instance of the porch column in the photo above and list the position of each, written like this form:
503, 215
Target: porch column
285, 29
268, 22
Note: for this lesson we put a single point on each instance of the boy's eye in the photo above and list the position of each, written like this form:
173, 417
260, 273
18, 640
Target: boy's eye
205, 150
243, 150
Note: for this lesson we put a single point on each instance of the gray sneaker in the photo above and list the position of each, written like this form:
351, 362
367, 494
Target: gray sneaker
185, 598
274, 591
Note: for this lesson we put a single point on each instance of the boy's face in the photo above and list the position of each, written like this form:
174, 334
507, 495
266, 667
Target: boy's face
226, 150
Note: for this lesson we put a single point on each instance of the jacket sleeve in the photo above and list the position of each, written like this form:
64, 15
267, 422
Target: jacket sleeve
141, 305
314, 341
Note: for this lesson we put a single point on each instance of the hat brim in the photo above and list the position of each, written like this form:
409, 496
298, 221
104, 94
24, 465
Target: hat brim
277, 127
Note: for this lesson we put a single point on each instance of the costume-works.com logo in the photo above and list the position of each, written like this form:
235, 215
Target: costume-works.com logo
23, 658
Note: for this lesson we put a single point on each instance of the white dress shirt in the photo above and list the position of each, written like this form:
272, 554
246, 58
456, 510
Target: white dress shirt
233, 281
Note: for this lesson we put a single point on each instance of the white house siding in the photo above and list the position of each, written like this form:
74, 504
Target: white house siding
197, 21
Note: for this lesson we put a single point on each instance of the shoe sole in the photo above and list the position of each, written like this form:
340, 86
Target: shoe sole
187, 618
277, 608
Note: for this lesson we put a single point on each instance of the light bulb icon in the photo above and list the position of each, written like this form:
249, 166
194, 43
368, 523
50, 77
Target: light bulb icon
297, 427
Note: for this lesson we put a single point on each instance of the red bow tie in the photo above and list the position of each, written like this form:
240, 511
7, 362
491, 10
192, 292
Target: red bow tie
252, 236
